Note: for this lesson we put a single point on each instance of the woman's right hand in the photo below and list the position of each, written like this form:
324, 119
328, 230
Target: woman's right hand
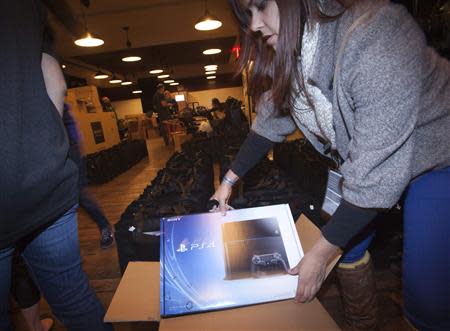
222, 195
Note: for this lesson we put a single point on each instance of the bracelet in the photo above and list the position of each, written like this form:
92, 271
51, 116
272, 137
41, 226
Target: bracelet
228, 180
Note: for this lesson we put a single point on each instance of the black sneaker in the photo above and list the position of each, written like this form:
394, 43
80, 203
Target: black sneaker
106, 237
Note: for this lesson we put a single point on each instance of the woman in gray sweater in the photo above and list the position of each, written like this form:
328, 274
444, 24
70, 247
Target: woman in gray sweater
361, 84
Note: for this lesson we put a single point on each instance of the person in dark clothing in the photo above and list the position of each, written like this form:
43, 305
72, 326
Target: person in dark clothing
27, 295
171, 103
161, 108
86, 200
38, 181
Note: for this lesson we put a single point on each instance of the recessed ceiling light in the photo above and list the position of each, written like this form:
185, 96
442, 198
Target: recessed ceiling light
131, 59
168, 81
63, 66
211, 67
137, 92
115, 81
212, 51
210, 77
163, 76
127, 82
210, 72
156, 71
174, 84
89, 40
100, 75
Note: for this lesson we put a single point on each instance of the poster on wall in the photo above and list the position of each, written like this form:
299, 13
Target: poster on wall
211, 262
97, 131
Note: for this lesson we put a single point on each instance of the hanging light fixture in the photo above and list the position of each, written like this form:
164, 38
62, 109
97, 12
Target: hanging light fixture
207, 22
129, 58
100, 75
88, 39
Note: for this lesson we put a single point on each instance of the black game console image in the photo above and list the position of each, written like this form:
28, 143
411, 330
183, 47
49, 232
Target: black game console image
253, 249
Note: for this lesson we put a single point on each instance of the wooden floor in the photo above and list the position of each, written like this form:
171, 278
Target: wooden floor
103, 269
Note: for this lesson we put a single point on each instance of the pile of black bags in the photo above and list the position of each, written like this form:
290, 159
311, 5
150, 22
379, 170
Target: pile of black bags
309, 169
105, 165
182, 187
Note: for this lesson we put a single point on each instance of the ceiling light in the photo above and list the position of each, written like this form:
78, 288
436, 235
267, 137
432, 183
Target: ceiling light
212, 51
211, 67
210, 77
89, 40
115, 80
174, 84
168, 81
212, 72
129, 58
100, 75
207, 21
137, 92
156, 71
63, 66
163, 76
126, 82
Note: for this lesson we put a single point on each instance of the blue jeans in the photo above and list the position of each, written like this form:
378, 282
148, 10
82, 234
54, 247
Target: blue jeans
426, 251
53, 256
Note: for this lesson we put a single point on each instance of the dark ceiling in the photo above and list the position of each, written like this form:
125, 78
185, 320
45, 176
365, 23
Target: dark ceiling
162, 33
169, 56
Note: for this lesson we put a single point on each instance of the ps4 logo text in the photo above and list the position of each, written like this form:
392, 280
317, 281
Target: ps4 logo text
195, 246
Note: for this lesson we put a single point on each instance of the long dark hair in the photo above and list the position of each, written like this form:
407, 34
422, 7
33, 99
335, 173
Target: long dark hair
277, 71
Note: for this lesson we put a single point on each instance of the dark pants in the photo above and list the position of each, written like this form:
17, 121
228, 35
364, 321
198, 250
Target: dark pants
86, 200
23, 288
92, 208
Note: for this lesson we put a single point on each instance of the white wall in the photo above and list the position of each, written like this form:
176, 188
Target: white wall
204, 97
127, 107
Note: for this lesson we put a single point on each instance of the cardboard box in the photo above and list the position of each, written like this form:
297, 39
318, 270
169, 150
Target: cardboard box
137, 299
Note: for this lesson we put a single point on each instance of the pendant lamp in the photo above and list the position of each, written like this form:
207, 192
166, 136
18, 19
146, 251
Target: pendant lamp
208, 21
88, 39
129, 57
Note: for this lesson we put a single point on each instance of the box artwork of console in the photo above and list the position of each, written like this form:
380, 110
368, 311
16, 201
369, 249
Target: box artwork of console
211, 262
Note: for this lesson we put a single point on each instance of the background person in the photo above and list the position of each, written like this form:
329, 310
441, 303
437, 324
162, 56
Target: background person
161, 108
85, 198
364, 88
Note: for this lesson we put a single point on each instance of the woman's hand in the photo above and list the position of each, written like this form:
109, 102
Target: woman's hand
311, 270
223, 193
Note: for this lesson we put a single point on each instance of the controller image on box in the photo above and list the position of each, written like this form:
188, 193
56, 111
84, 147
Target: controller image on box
266, 263
244, 240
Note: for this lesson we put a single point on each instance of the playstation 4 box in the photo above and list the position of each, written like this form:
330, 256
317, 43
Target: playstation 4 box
212, 262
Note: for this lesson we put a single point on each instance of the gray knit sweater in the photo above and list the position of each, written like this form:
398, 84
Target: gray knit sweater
390, 97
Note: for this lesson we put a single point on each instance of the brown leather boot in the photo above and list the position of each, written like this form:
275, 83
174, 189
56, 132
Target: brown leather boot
358, 293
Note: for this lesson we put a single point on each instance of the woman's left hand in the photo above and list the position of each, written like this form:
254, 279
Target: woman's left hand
311, 270
311, 273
